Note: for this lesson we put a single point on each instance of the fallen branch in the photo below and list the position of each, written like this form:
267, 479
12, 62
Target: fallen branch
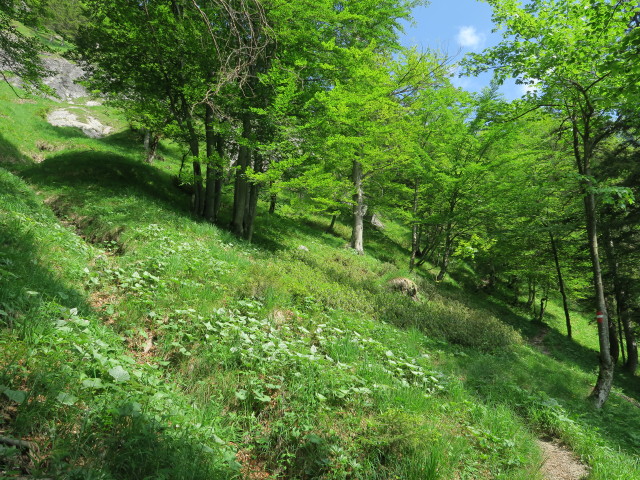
21, 444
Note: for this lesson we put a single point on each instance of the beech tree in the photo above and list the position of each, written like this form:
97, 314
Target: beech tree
569, 51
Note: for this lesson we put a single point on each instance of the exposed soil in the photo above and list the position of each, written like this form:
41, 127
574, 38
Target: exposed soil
560, 463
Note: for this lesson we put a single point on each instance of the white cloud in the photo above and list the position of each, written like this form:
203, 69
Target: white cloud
468, 37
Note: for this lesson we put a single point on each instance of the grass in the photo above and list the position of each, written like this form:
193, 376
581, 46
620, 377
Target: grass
137, 342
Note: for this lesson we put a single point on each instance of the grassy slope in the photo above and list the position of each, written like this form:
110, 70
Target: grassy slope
155, 346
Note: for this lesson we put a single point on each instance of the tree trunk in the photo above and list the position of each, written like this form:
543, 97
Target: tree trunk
241, 186
446, 254
631, 362
601, 391
359, 209
194, 146
151, 141
567, 317
214, 174
272, 203
252, 201
531, 299
415, 236
614, 344
332, 225
543, 302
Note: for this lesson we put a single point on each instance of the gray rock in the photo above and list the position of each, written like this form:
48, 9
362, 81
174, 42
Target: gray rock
90, 126
405, 286
64, 78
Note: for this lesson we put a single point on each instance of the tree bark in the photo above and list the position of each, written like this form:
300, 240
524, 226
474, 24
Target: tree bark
415, 236
194, 146
601, 391
358, 209
332, 225
563, 293
614, 344
631, 362
252, 201
150, 144
241, 186
531, 299
446, 255
214, 174
273, 199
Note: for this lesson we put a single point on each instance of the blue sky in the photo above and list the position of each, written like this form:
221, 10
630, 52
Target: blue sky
456, 27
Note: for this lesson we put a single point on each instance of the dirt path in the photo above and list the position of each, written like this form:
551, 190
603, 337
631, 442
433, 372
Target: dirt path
560, 463
538, 340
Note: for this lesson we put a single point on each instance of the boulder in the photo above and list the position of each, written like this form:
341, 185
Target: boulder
405, 286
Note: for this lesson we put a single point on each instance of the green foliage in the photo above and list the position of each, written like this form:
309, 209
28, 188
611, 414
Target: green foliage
138, 342
20, 53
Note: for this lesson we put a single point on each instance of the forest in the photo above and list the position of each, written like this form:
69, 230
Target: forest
272, 242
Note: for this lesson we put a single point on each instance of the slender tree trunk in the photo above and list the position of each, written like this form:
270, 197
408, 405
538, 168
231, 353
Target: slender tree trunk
252, 201
194, 145
415, 236
446, 254
272, 202
631, 362
614, 344
151, 141
358, 209
153, 148
554, 249
213, 167
217, 188
332, 225
433, 239
621, 335
241, 186
601, 391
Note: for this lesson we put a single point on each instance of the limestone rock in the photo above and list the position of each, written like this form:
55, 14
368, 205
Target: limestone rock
405, 286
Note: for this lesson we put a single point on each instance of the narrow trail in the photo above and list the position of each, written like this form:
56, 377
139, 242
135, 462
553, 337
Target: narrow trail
559, 462
538, 340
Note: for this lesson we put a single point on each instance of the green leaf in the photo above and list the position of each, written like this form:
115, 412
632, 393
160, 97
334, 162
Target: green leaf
66, 398
93, 383
130, 409
17, 396
119, 374
241, 394
261, 397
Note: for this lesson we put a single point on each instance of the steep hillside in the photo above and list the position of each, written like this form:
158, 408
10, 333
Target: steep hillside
139, 343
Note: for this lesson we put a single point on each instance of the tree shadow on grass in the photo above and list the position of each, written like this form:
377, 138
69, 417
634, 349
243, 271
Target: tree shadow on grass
89, 441
25, 284
9, 154
110, 174
536, 381
493, 376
